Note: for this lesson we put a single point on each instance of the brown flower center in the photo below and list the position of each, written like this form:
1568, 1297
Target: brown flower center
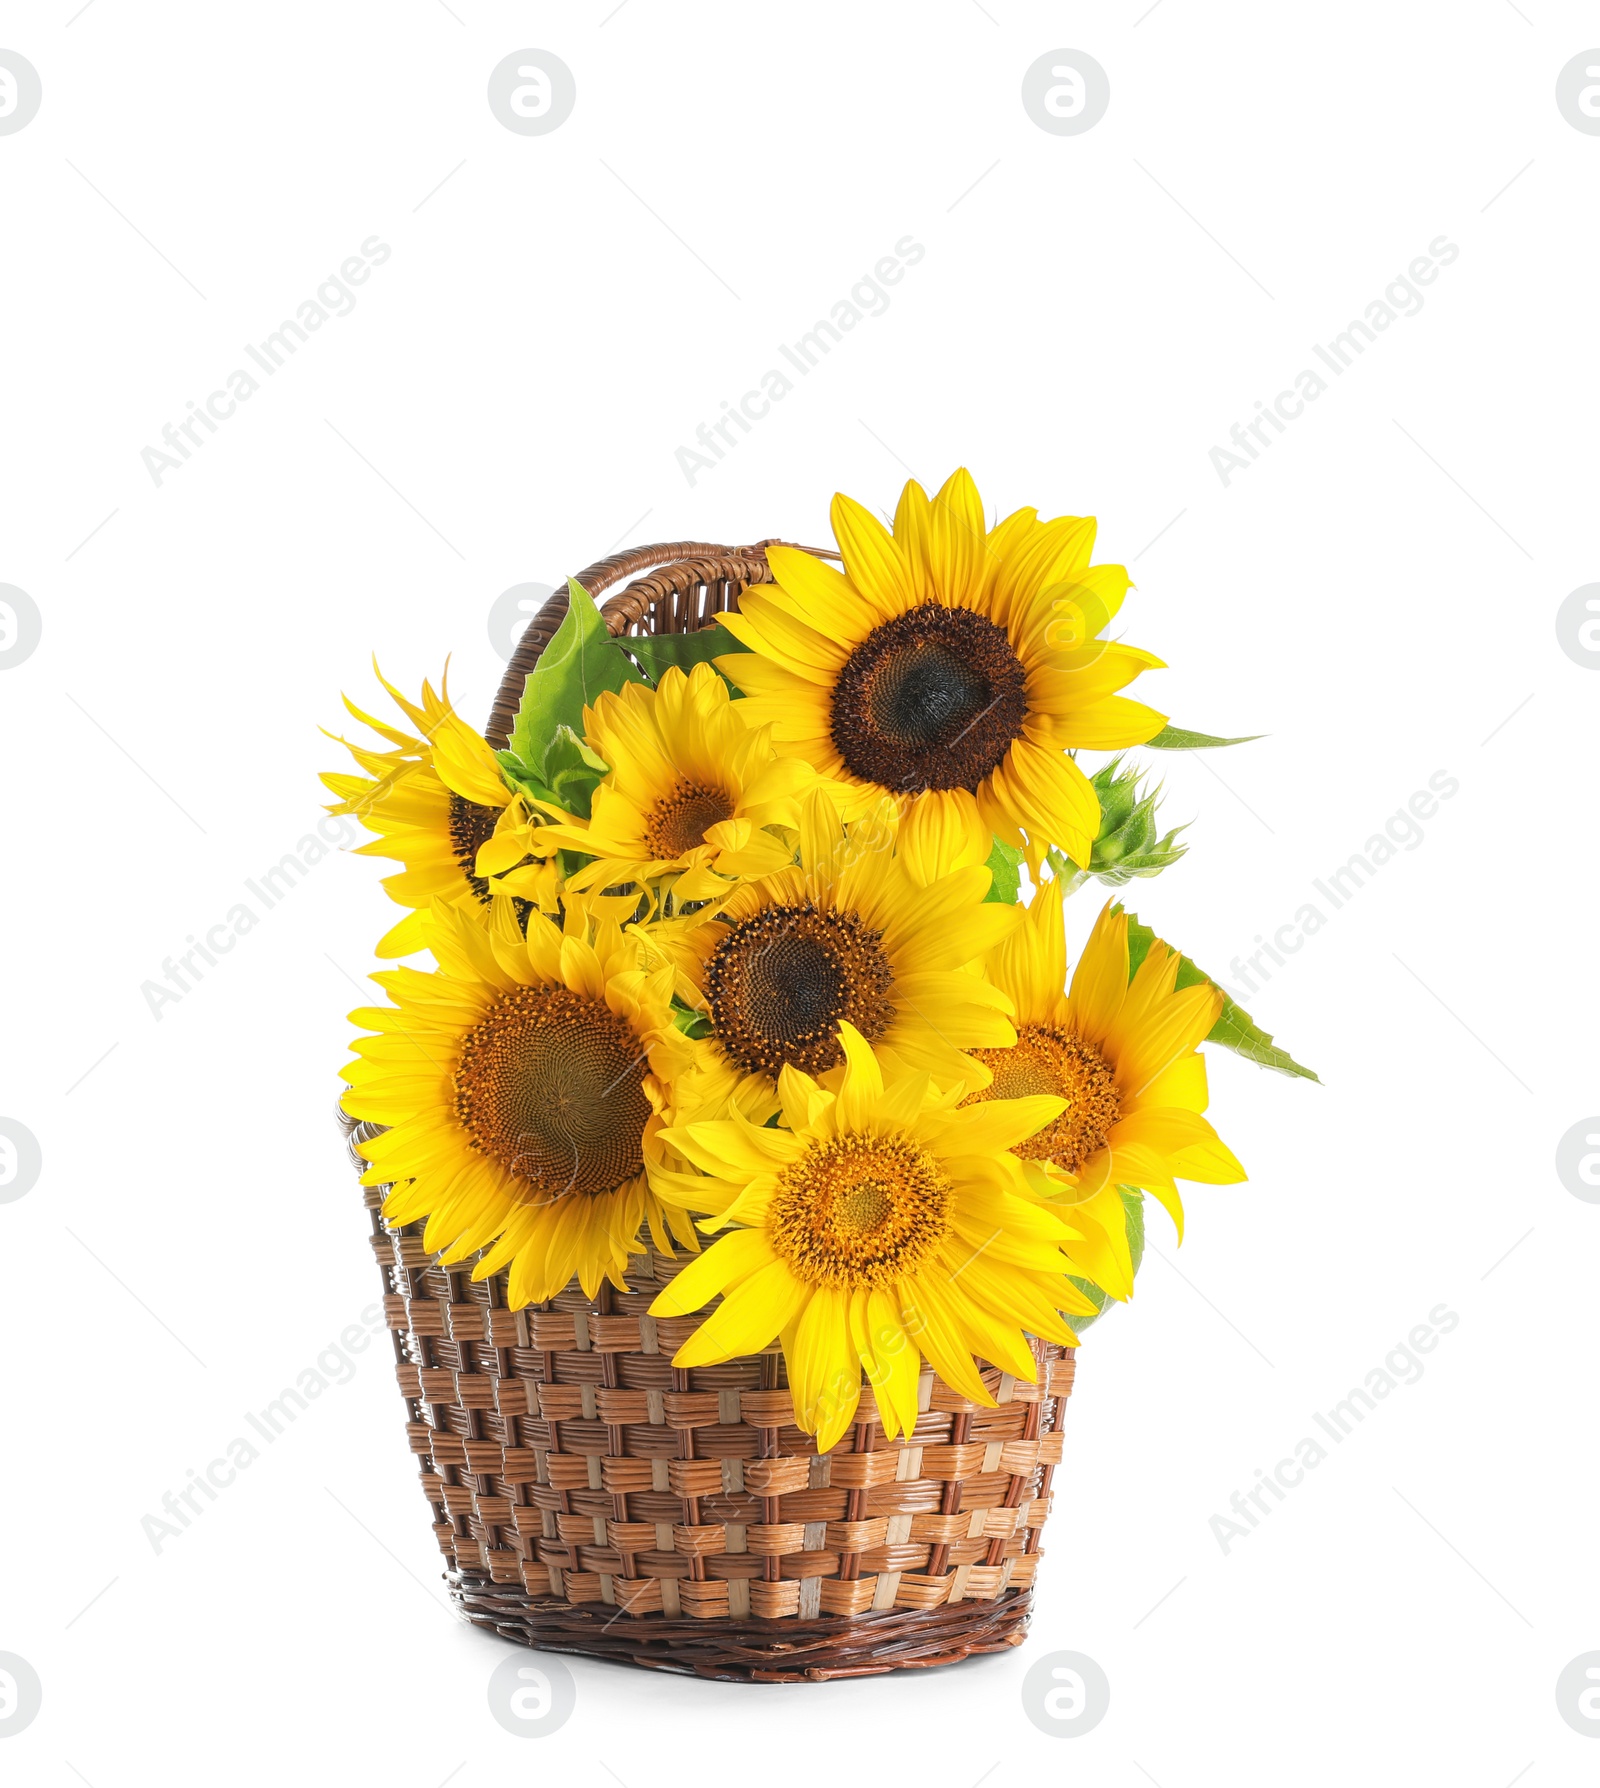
678, 822
859, 1210
1044, 1060
551, 1085
932, 699
472, 824
780, 982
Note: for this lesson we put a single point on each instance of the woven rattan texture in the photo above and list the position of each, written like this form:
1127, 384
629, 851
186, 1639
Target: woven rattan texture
588, 1496
686, 585
579, 1481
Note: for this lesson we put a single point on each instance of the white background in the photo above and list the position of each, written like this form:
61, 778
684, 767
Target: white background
1092, 314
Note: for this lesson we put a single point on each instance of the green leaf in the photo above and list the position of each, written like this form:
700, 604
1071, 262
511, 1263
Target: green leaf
1176, 738
567, 752
657, 652
581, 661
1005, 874
1095, 1296
1133, 1210
572, 771
1235, 1029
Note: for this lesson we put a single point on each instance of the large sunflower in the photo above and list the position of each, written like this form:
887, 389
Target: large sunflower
434, 801
881, 1227
691, 794
846, 933
948, 664
1124, 1057
523, 1085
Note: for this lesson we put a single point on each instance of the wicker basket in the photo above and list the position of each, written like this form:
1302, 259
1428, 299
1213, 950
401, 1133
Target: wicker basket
590, 1497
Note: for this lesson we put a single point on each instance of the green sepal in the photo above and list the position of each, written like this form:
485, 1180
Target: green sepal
1127, 844
1235, 1029
1005, 873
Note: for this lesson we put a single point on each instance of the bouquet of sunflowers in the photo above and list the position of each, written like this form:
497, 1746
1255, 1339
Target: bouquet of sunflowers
734, 959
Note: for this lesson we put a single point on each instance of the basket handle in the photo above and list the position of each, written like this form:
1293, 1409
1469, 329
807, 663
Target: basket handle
680, 566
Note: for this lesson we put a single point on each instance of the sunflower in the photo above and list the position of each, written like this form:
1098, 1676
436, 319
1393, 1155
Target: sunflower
1123, 1056
691, 795
523, 1084
435, 801
948, 665
881, 1227
848, 933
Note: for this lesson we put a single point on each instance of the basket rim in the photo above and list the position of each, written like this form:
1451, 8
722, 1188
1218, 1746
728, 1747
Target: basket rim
648, 603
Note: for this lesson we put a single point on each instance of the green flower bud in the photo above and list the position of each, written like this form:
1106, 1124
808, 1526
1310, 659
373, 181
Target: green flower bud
1129, 843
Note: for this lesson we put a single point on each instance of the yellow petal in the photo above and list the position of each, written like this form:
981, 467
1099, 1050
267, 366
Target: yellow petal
862, 1090
959, 549
925, 1311
735, 1256
746, 1319
876, 566
913, 523
824, 1370
893, 1364
1100, 982
814, 592
995, 1124
942, 831
1110, 724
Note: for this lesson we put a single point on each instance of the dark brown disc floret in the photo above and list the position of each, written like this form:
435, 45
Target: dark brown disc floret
678, 822
780, 982
859, 1210
471, 825
930, 700
551, 1086
1046, 1060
